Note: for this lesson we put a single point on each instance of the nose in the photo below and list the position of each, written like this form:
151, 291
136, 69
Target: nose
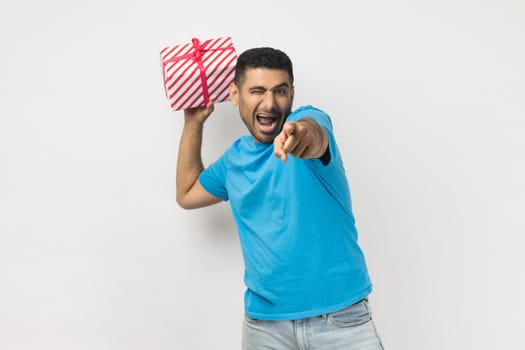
268, 102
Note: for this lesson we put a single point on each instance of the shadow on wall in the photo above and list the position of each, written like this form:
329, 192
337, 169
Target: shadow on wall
216, 224
222, 128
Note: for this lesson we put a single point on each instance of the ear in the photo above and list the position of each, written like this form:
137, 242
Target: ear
234, 94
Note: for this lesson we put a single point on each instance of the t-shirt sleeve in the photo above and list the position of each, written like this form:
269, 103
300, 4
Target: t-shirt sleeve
213, 179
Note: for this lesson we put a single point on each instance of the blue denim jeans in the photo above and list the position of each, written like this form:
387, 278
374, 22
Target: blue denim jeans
351, 328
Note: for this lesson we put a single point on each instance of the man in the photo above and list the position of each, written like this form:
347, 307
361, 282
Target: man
306, 277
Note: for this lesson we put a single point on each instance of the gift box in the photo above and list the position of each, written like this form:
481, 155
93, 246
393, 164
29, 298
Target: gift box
197, 72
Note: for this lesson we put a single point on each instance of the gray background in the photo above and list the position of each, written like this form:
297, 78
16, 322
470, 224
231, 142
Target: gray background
427, 100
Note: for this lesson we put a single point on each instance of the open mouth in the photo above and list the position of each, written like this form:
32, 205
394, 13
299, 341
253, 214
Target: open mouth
267, 123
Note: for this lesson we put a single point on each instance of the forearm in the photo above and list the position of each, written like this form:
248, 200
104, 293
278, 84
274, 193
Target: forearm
189, 161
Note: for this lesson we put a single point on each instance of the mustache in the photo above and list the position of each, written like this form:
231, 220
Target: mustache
271, 111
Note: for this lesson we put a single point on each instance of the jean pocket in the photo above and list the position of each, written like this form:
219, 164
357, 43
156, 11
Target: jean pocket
352, 316
250, 320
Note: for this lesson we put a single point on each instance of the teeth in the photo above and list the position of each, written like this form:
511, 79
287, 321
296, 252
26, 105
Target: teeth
266, 121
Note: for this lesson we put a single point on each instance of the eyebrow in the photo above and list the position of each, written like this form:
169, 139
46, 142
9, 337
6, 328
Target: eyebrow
273, 88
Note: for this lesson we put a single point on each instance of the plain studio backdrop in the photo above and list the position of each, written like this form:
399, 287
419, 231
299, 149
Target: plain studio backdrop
427, 101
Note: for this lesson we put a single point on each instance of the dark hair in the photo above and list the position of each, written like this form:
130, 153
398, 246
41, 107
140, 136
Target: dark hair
262, 57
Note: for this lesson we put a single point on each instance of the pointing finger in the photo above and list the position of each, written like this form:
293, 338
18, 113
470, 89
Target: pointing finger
279, 147
289, 128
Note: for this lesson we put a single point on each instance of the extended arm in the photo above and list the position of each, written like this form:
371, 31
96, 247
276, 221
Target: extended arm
190, 193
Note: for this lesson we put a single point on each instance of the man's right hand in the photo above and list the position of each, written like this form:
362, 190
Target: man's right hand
198, 114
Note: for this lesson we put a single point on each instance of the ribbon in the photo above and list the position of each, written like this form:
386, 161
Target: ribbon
195, 56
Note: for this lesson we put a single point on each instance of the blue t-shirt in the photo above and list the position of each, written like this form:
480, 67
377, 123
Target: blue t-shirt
296, 227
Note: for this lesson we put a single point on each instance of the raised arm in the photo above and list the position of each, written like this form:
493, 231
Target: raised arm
190, 193
303, 139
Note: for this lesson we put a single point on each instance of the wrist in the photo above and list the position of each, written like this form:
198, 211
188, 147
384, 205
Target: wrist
192, 122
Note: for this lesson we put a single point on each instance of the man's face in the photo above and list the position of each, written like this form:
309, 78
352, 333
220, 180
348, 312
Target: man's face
264, 98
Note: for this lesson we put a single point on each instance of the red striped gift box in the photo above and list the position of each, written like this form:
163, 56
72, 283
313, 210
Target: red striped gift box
198, 72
